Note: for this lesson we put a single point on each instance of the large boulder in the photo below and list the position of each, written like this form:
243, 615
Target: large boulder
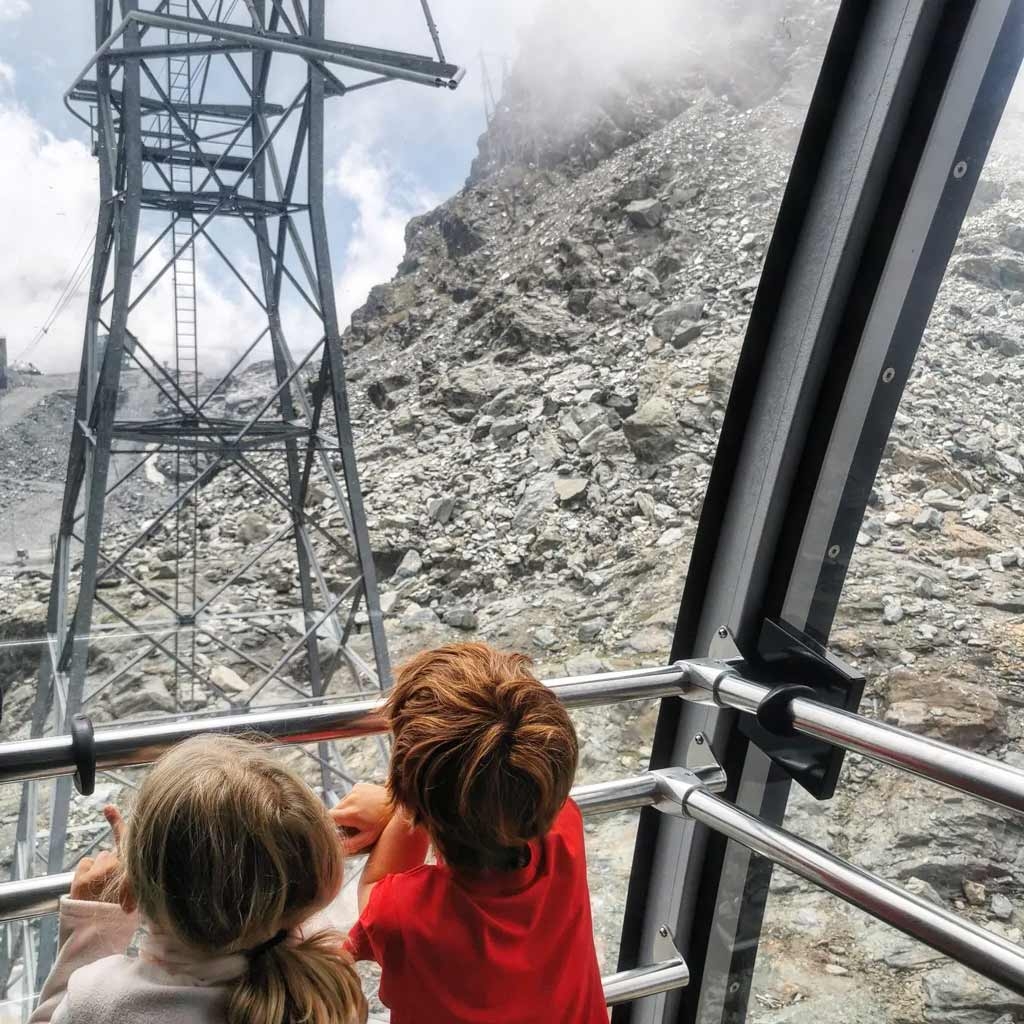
653, 430
252, 528
381, 390
645, 213
468, 388
538, 498
534, 327
227, 680
571, 488
410, 566
955, 995
147, 697
963, 712
460, 237
1004, 273
668, 321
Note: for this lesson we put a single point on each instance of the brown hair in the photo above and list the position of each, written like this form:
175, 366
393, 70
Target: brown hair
484, 754
226, 847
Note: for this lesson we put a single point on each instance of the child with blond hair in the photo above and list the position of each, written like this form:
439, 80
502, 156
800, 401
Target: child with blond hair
225, 855
499, 929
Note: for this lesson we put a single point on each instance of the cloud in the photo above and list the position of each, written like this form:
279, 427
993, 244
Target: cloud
227, 319
46, 236
11, 10
43, 235
382, 205
6, 77
434, 130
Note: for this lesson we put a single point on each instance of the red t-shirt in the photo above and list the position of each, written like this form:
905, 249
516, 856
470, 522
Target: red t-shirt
516, 948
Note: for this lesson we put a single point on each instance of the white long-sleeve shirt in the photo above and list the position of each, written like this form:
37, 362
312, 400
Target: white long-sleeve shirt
95, 982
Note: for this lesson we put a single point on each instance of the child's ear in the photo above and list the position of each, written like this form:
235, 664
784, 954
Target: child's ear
126, 897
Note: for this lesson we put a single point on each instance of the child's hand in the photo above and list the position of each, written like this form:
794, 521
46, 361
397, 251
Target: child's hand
364, 813
94, 877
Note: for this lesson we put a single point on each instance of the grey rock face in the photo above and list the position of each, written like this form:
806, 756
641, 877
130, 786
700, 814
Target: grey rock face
954, 995
964, 712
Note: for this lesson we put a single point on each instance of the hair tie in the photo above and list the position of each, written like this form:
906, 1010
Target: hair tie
265, 947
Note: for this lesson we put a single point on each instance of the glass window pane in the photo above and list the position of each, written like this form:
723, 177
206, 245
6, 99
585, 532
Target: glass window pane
536, 395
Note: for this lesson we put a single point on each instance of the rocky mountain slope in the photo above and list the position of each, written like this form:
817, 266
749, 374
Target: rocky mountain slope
537, 397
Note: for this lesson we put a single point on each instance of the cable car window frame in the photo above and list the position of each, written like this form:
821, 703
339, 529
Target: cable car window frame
769, 459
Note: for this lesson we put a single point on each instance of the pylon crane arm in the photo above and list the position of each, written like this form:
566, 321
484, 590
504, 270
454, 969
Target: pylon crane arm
410, 67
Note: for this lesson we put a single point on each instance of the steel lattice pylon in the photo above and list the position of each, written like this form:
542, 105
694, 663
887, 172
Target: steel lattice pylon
187, 141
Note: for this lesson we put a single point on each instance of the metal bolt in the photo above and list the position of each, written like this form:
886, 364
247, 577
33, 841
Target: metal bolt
663, 932
699, 739
833, 552
723, 632
959, 169
888, 374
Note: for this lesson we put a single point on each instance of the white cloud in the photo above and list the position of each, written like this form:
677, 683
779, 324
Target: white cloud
43, 234
227, 319
383, 205
11, 10
6, 77
47, 233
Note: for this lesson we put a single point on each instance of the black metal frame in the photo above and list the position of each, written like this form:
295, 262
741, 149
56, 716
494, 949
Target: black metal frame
783, 655
907, 91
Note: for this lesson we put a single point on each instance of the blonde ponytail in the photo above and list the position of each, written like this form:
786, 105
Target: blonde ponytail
226, 848
313, 982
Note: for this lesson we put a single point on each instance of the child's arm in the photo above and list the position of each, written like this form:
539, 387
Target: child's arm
90, 927
401, 847
363, 814
89, 931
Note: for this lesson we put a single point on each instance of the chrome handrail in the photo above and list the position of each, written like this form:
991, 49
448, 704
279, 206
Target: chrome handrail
122, 746
966, 942
33, 897
930, 759
669, 971
691, 793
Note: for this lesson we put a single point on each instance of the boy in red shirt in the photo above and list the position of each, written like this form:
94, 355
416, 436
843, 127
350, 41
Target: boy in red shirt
499, 930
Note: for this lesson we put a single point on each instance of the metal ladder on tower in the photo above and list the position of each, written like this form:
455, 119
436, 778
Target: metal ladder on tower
180, 78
